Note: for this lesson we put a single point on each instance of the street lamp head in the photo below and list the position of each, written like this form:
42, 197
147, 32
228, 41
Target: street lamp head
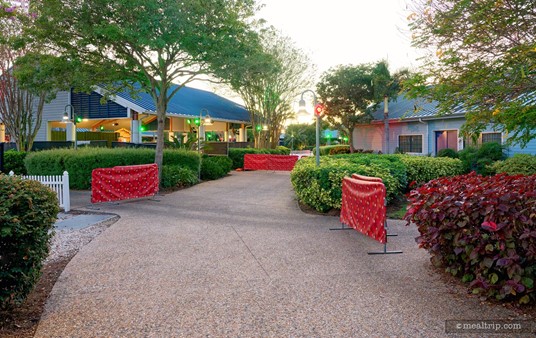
265, 127
208, 121
65, 116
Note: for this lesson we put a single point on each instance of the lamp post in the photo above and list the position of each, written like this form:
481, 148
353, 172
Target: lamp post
206, 121
70, 116
302, 110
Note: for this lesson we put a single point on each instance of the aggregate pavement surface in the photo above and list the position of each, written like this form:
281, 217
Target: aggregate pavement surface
237, 257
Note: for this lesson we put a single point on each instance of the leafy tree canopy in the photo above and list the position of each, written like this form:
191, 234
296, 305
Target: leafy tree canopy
482, 59
350, 92
156, 43
271, 81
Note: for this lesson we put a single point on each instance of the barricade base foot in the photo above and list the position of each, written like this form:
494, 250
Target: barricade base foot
384, 252
392, 235
341, 228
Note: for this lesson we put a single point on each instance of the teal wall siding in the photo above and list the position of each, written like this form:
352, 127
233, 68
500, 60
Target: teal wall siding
371, 136
441, 125
407, 128
530, 148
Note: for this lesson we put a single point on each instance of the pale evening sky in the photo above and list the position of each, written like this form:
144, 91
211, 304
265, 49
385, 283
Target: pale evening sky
339, 32
345, 31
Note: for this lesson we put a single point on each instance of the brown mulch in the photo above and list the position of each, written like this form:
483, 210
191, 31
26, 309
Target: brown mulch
22, 320
308, 210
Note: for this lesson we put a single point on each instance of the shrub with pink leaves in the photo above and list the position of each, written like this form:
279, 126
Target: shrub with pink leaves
482, 230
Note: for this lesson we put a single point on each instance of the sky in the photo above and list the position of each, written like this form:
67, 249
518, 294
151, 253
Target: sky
341, 32
336, 32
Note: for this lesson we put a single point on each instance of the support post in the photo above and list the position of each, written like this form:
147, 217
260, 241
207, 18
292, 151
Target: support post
386, 122
317, 139
2, 133
135, 128
1, 156
69, 131
66, 192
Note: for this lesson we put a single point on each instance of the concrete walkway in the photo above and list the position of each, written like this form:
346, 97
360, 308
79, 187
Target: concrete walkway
236, 257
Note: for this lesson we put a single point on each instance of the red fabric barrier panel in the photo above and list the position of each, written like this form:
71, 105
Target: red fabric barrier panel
363, 207
367, 178
121, 183
269, 162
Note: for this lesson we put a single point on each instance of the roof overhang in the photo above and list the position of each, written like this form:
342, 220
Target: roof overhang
121, 101
419, 119
128, 104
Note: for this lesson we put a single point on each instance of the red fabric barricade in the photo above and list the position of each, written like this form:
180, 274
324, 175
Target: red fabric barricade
121, 183
363, 207
269, 162
367, 178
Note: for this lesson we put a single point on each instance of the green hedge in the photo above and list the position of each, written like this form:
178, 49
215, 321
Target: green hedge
519, 164
320, 187
342, 149
177, 177
480, 159
237, 154
28, 211
214, 167
14, 161
79, 163
421, 169
447, 152
396, 167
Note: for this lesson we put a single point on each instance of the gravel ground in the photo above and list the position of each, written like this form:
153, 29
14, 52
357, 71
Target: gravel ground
68, 242
237, 258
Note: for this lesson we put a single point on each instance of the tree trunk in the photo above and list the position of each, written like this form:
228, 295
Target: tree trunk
351, 138
161, 109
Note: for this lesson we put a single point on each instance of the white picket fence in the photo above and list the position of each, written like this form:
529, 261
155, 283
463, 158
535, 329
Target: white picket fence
58, 183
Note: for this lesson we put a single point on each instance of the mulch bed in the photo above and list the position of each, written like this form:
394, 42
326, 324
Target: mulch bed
23, 319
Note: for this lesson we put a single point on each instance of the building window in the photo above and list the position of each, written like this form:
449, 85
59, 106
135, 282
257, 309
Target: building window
491, 137
410, 143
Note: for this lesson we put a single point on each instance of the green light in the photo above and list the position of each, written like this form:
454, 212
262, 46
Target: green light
101, 128
189, 121
142, 128
345, 139
259, 127
78, 119
197, 121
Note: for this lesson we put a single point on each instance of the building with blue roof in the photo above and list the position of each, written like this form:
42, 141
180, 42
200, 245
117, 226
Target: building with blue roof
415, 126
133, 117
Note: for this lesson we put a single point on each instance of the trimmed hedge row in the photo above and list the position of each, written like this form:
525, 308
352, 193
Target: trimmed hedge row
28, 211
320, 187
214, 167
237, 154
14, 161
421, 169
80, 163
482, 230
177, 177
519, 164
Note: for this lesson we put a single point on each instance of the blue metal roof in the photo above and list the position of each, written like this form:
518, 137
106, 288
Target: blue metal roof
189, 101
405, 108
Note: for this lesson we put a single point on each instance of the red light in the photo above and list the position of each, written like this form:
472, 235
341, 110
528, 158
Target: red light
319, 109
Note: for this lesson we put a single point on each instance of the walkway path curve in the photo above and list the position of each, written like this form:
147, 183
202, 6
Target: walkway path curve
236, 257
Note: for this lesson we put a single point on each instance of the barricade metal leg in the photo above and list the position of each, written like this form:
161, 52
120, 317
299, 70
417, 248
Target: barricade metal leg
342, 228
384, 252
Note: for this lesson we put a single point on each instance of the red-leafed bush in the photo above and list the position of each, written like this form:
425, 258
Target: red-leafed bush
481, 229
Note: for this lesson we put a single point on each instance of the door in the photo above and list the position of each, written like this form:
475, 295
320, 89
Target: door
446, 139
